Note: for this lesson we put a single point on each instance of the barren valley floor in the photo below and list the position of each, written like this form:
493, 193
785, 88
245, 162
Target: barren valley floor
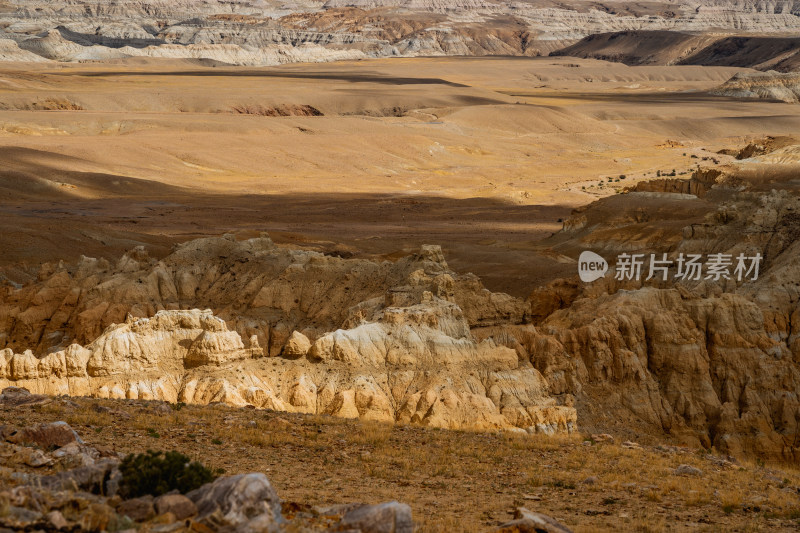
484, 156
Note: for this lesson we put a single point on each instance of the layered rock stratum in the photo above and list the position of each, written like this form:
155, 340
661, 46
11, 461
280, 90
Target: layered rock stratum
769, 85
710, 362
403, 351
269, 33
709, 48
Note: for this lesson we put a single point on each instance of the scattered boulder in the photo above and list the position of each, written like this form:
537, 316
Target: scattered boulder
75, 454
688, 470
32, 457
298, 345
177, 504
245, 502
138, 509
103, 478
98, 517
47, 436
19, 518
526, 521
390, 517
56, 519
19, 397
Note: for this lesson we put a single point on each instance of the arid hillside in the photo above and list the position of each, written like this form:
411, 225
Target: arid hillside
769, 85
714, 49
322, 467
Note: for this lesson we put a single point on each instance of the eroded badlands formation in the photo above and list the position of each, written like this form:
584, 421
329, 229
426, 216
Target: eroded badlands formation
711, 363
405, 351
268, 33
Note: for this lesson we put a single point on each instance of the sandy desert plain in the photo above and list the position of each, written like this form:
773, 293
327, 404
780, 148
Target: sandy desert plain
484, 156
476, 394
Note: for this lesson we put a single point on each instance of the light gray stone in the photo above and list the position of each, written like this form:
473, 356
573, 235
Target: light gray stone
243, 503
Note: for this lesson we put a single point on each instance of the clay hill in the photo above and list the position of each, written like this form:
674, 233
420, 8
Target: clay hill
769, 85
707, 362
778, 57
779, 52
269, 33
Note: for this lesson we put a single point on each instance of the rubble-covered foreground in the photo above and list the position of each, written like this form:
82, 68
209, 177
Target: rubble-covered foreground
62, 468
85, 495
90, 491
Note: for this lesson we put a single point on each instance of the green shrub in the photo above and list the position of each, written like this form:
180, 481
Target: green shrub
157, 473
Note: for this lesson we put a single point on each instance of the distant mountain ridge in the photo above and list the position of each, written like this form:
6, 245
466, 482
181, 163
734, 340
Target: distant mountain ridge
268, 32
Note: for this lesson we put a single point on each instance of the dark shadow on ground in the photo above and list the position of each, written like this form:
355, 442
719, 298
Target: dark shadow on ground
352, 76
43, 219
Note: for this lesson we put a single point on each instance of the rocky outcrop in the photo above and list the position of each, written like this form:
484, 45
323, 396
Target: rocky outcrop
710, 361
699, 184
277, 291
689, 365
769, 85
354, 338
54, 46
169, 339
412, 362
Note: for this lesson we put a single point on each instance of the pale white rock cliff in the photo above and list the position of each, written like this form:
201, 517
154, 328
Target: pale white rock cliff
415, 364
